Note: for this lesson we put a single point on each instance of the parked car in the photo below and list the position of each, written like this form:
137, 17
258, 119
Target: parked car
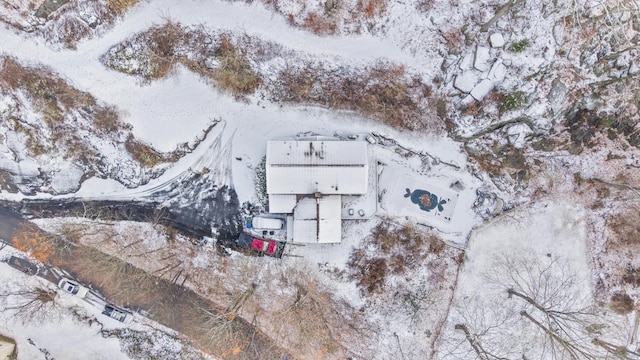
371, 139
266, 246
262, 246
118, 314
263, 222
73, 287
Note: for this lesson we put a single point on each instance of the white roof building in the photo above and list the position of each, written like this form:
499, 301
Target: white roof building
307, 178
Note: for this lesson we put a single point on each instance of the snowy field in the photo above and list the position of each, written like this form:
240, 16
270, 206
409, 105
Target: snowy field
538, 252
492, 289
177, 109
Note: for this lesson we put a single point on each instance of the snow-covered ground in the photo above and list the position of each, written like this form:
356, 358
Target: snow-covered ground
442, 45
175, 110
538, 250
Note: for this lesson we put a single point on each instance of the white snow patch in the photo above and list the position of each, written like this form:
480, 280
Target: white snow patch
67, 178
481, 59
496, 40
466, 81
482, 89
517, 134
498, 71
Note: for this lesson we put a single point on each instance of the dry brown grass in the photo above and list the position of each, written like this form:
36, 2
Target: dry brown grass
234, 73
333, 17
71, 117
381, 91
399, 248
51, 93
76, 148
371, 8
73, 29
34, 145
319, 24
163, 41
425, 5
121, 6
66, 21
54, 98
454, 38
626, 225
621, 303
107, 120
486, 160
172, 44
143, 153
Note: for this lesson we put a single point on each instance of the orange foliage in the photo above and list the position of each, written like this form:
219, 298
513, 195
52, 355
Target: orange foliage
35, 243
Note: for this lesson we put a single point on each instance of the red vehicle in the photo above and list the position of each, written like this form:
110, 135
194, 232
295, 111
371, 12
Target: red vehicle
262, 246
266, 246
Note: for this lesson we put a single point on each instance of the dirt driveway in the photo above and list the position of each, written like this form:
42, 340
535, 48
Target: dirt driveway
10, 222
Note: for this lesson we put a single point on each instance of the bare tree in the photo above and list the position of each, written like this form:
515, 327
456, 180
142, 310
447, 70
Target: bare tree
476, 344
223, 331
480, 331
416, 300
546, 303
30, 305
550, 298
301, 318
617, 351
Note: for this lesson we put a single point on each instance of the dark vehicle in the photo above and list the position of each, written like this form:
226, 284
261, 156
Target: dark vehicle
261, 246
118, 314
23, 265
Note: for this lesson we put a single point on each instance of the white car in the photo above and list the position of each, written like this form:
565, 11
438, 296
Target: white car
371, 139
73, 287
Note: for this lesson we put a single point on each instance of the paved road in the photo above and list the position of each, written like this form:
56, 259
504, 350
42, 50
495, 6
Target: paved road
10, 222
